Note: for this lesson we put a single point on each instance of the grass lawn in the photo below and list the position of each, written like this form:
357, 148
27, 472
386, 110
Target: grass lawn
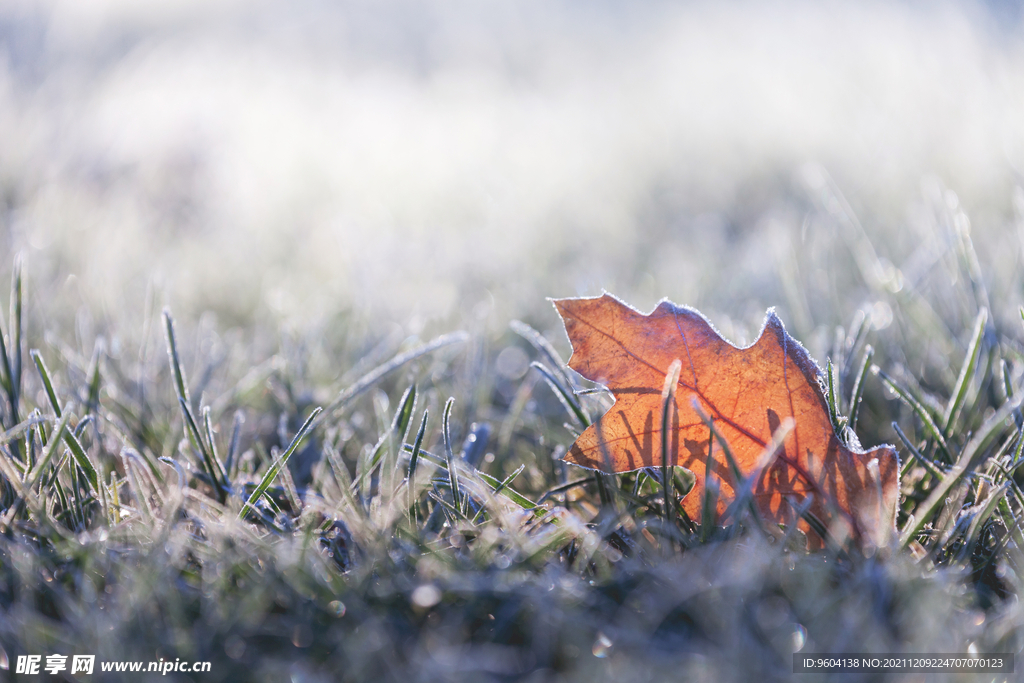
281, 389
205, 505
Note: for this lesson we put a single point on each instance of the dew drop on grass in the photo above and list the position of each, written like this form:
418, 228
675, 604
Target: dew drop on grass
337, 608
602, 646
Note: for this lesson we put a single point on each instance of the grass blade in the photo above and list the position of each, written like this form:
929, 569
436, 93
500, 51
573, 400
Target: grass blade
940, 493
984, 510
81, 457
453, 470
236, 436
274, 469
540, 342
403, 417
18, 430
7, 380
37, 358
561, 488
500, 487
967, 372
180, 386
345, 485
858, 386
919, 409
513, 495
669, 414
51, 449
399, 428
196, 439
208, 427
213, 469
745, 491
567, 398
414, 459
93, 377
832, 398
709, 505
928, 464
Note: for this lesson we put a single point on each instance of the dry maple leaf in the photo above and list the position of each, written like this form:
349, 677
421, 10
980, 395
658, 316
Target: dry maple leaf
748, 393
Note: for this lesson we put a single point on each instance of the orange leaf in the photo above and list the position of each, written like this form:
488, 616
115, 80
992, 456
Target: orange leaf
748, 393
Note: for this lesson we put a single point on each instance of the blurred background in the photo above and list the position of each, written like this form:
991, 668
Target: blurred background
426, 163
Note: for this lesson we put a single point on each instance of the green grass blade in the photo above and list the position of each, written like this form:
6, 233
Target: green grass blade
453, 513
984, 511
561, 488
399, 428
7, 380
1004, 375
341, 475
180, 386
453, 470
414, 459
288, 484
1017, 461
208, 429
236, 437
967, 372
1007, 384
37, 358
19, 429
858, 385
196, 439
928, 464
184, 400
669, 413
274, 469
919, 409
564, 395
94, 377
509, 479
709, 510
500, 487
604, 486
709, 504
82, 458
403, 418
818, 526
513, 495
832, 396
939, 494
540, 342
82, 424
51, 449
709, 421
744, 497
